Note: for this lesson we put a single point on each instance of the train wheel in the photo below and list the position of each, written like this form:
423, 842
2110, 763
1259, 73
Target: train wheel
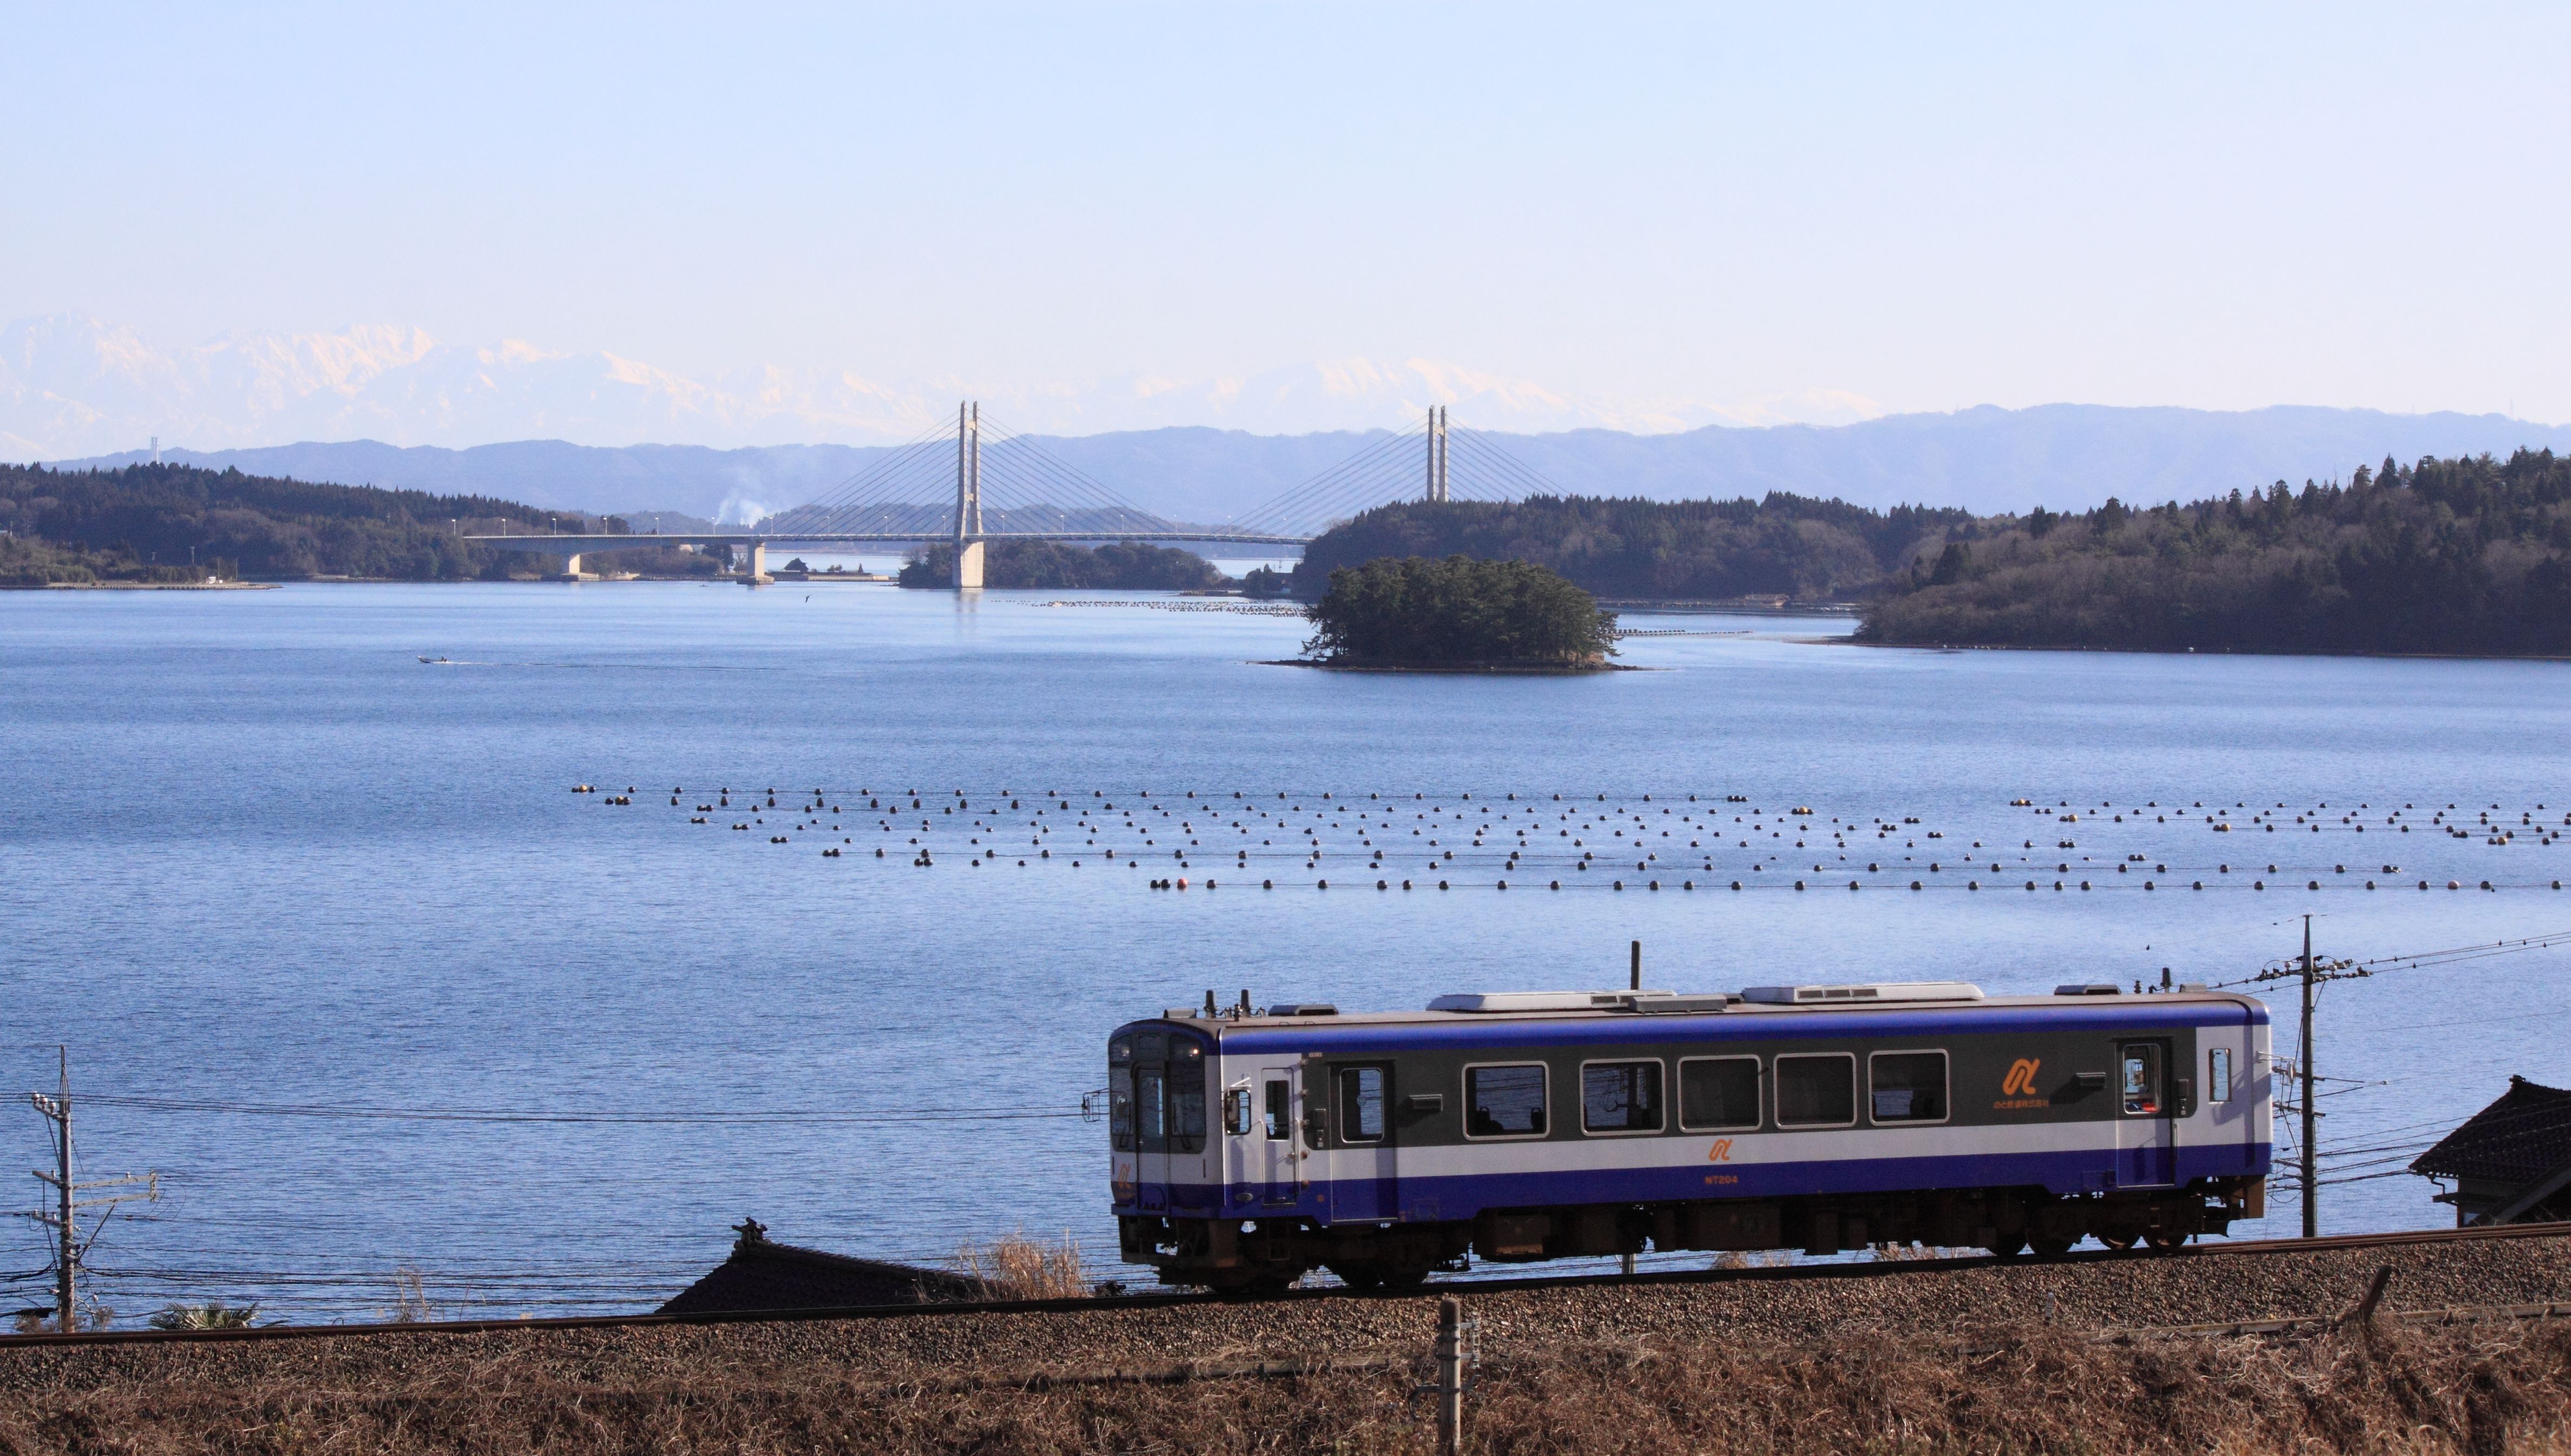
2164, 1243
2053, 1247
1268, 1286
1359, 1276
2007, 1245
1404, 1279
2117, 1242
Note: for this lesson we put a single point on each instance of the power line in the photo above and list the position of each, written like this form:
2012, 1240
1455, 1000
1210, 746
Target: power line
363, 1113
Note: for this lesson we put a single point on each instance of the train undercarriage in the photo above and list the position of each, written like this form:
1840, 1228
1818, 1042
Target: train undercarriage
1258, 1255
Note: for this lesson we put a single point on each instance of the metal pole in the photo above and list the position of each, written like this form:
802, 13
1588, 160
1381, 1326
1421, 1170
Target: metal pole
1450, 1376
2312, 1192
1635, 983
975, 428
963, 446
67, 1247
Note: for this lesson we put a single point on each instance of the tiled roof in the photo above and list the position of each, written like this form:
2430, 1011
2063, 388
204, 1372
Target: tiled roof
761, 1275
2519, 1139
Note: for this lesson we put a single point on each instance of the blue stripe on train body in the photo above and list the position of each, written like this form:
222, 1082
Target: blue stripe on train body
2226, 1139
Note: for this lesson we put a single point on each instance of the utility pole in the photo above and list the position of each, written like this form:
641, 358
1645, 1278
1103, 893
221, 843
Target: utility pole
2312, 972
1635, 983
62, 1218
2312, 1180
58, 1109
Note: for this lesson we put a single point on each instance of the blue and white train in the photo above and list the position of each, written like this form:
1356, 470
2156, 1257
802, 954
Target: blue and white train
1251, 1146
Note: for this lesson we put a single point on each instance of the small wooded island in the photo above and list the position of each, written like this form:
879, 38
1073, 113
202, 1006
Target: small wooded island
1457, 615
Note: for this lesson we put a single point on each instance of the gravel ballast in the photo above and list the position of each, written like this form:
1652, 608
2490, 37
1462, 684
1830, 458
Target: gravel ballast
1736, 1309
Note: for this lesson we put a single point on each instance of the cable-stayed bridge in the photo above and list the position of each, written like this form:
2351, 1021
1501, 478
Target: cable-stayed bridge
975, 482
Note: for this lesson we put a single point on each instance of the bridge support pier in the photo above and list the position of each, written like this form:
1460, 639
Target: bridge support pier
968, 567
571, 565
758, 576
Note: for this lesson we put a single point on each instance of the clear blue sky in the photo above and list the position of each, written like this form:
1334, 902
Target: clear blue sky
1930, 206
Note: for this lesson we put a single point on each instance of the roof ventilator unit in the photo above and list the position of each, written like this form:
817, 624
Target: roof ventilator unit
2086, 987
1302, 1008
1492, 1002
1876, 994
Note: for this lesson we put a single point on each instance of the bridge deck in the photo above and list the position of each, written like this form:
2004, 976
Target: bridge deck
585, 544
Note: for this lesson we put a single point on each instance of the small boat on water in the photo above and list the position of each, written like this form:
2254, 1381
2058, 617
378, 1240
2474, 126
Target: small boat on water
438, 658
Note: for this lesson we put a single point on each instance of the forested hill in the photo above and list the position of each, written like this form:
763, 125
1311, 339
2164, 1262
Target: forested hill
146, 522
2467, 556
1783, 545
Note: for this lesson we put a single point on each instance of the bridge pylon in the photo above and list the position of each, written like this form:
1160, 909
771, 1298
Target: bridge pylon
968, 496
1436, 492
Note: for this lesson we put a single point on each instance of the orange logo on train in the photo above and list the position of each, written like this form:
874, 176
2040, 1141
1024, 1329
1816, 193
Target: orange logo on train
2020, 1081
1721, 1152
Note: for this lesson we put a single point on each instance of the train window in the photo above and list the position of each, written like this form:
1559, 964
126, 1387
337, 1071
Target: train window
2139, 1084
1187, 1097
1719, 1092
1817, 1091
2217, 1075
1236, 1111
1504, 1101
1120, 1111
1361, 1104
1280, 1111
1908, 1086
1150, 1046
1619, 1096
1151, 1108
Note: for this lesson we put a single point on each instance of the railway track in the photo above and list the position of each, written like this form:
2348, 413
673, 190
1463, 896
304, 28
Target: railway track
1786, 1274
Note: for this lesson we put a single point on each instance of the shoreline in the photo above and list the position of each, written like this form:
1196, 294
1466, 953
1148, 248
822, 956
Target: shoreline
2190, 652
1494, 670
138, 587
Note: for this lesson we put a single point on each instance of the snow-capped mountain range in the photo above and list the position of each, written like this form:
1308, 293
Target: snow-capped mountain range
75, 386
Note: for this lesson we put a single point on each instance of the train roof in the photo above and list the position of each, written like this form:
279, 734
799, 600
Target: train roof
1943, 999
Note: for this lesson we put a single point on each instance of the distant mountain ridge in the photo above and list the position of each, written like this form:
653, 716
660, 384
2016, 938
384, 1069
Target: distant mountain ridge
73, 386
1986, 459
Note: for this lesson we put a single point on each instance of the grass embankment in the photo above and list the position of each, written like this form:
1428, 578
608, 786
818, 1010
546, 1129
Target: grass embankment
1905, 1358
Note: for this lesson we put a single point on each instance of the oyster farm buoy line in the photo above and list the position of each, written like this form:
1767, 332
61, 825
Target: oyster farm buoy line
1619, 842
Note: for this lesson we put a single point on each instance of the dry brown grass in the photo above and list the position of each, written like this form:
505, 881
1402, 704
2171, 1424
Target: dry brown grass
1019, 1268
2482, 1388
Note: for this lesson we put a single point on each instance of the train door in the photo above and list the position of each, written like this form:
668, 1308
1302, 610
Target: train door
1152, 1120
2145, 1135
1362, 1183
1274, 1152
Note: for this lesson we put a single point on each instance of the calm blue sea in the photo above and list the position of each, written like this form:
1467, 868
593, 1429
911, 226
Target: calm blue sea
254, 855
